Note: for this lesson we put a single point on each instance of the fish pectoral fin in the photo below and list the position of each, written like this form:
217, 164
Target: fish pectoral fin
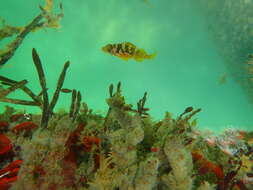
141, 52
138, 58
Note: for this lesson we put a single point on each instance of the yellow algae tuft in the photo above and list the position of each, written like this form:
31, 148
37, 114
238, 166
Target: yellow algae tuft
49, 5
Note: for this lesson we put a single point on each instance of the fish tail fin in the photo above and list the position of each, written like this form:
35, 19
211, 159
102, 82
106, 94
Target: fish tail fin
152, 56
138, 59
141, 54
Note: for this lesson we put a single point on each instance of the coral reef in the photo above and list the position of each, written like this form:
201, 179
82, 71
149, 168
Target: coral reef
125, 150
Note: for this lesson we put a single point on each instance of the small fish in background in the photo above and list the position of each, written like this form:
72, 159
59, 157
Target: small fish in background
223, 79
127, 50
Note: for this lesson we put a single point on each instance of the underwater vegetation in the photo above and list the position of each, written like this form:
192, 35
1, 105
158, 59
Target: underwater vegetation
77, 149
46, 19
126, 149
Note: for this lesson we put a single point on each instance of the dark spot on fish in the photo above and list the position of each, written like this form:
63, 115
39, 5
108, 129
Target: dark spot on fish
111, 48
119, 48
131, 50
126, 48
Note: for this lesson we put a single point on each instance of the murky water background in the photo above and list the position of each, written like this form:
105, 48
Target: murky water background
197, 43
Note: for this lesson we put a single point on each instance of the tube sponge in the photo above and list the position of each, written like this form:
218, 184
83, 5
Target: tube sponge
135, 136
180, 161
147, 174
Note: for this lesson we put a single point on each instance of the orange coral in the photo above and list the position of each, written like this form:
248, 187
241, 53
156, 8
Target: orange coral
207, 166
4, 126
154, 149
9, 174
5, 144
88, 141
16, 117
25, 126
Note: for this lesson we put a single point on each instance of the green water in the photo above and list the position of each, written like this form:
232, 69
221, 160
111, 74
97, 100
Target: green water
186, 71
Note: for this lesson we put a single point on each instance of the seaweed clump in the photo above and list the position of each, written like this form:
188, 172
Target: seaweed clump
46, 19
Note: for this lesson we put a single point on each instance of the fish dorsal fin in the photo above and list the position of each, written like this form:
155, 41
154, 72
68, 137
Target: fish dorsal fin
130, 44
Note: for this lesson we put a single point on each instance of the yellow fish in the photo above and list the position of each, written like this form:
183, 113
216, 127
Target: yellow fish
127, 50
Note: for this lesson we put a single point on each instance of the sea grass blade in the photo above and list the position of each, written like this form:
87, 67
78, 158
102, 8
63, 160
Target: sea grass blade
144, 100
14, 87
38, 65
7, 81
73, 101
20, 102
119, 87
111, 90
192, 114
17, 85
58, 88
18, 40
77, 105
